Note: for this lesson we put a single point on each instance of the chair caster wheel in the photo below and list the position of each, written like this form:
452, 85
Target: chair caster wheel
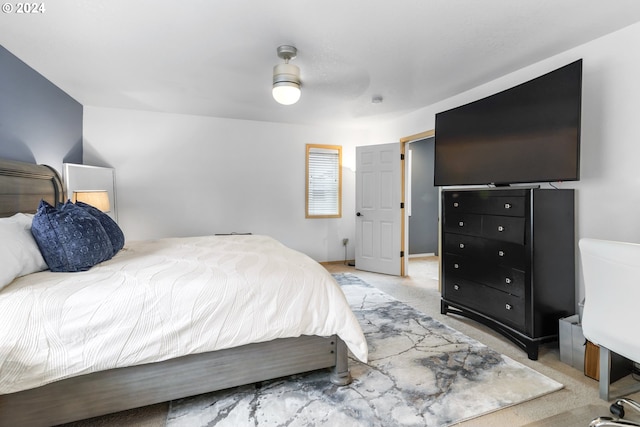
617, 410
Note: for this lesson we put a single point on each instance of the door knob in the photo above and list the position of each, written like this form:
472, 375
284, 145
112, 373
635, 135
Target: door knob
358, 214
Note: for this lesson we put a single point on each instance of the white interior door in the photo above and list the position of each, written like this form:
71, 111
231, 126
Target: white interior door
378, 212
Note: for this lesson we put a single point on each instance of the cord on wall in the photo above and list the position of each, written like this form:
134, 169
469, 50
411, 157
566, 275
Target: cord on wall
345, 241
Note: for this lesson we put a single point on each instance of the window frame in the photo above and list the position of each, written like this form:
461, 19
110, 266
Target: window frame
309, 148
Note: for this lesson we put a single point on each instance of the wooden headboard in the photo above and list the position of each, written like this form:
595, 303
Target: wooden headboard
23, 185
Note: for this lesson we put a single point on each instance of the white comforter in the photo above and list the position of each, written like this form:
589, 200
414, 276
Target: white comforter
162, 299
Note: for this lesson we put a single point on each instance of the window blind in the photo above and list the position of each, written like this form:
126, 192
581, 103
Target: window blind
323, 186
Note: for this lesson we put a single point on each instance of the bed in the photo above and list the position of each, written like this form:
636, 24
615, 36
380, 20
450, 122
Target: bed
253, 331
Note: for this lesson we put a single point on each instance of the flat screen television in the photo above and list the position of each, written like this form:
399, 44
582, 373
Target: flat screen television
528, 133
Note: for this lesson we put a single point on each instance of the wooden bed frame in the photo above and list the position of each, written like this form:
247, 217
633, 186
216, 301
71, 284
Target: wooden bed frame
22, 185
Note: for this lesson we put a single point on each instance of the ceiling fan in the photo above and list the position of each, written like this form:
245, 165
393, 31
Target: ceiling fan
323, 73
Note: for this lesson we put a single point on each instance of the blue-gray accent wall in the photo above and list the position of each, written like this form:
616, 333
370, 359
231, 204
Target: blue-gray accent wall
39, 122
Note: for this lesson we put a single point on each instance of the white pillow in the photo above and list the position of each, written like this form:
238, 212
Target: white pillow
19, 252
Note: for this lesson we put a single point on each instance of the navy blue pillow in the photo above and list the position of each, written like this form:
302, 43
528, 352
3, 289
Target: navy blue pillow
110, 226
69, 238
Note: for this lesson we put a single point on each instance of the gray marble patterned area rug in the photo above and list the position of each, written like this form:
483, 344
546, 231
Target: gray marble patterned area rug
420, 373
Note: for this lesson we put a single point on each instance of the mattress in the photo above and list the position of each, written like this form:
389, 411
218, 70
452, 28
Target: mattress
161, 299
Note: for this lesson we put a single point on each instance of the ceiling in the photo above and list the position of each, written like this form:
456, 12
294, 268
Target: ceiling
215, 57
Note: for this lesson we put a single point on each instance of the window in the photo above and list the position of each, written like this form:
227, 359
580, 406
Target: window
324, 181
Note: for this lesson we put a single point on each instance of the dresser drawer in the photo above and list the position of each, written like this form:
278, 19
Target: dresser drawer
488, 250
507, 206
464, 224
487, 202
461, 203
505, 228
500, 277
506, 308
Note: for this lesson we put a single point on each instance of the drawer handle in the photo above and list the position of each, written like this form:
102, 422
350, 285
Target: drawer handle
456, 265
461, 224
500, 253
508, 306
456, 287
500, 228
456, 204
507, 280
461, 245
507, 205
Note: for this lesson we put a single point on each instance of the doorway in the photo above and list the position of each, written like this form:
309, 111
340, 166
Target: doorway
406, 179
422, 199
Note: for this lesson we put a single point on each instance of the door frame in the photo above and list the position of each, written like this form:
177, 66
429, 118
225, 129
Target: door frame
404, 231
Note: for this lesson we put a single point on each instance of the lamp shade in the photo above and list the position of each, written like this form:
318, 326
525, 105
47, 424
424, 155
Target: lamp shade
96, 198
286, 84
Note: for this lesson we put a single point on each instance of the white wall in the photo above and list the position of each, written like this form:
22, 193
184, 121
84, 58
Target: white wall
608, 193
182, 175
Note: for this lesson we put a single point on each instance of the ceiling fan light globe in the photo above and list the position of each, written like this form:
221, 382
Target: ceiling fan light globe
286, 84
286, 93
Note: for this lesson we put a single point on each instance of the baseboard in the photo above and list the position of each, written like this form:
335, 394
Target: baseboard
427, 255
347, 262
